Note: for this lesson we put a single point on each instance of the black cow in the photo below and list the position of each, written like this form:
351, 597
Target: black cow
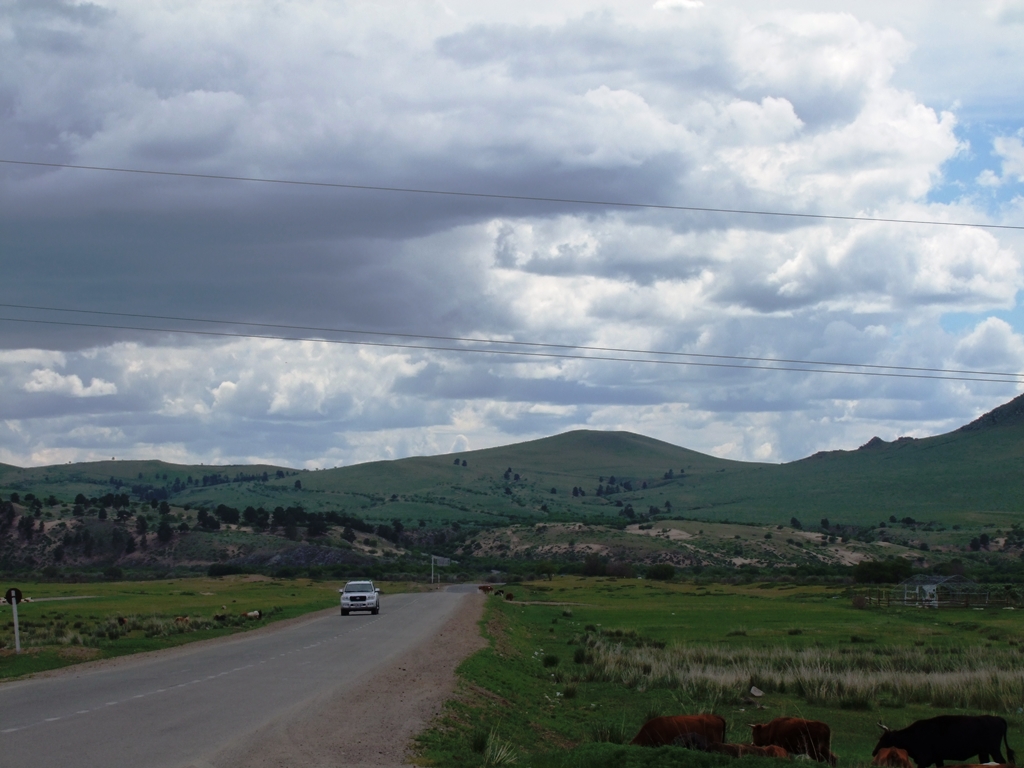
949, 737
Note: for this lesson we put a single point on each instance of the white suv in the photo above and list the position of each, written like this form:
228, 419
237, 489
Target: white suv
360, 596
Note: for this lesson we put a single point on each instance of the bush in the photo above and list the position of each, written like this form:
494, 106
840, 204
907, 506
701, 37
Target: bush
594, 565
164, 533
620, 570
661, 572
550, 660
882, 571
223, 569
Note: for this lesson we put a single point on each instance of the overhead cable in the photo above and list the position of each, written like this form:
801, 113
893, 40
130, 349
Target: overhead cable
514, 343
522, 353
523, 198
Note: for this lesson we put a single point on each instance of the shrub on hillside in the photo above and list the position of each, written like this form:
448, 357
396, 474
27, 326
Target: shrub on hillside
661, 572
223, 569
882, 571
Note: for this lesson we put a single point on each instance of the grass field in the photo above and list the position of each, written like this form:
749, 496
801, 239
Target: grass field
70, 623
576, 665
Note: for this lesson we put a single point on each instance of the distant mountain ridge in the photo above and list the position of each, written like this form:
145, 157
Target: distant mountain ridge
974, 470
1005, 415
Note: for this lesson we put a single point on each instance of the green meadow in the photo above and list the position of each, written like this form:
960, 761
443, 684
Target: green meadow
71, 623
575, 666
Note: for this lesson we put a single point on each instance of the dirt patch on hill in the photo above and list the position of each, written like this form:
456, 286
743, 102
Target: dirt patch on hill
661, 531
374, 723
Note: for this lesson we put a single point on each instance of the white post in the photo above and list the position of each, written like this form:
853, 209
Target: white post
17, 635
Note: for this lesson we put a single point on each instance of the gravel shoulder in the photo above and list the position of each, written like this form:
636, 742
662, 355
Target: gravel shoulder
372, 723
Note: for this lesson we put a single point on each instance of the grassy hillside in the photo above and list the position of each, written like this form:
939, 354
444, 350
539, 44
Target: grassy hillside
971, 475
955, 487
432, 488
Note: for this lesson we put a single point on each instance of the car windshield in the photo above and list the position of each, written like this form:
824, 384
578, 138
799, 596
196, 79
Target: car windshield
362, 586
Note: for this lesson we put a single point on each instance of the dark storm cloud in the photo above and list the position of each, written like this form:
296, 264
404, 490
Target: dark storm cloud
723, 107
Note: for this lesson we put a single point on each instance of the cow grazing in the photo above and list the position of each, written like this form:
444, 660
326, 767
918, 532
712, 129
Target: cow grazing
892, 757
509, 596
797, 736
254, 615
949, 737
182, 620
499, 592
691, 741
220, 617
485, 588
121, 620
665, 730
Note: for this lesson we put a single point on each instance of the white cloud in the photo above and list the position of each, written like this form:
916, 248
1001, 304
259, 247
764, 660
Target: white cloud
46, 380
1011, 150
677, 5
991, 345
1006, 11
88, 432
988, 178
740, 105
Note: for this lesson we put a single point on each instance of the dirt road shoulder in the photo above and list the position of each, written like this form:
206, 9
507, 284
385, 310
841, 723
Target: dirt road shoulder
374, 723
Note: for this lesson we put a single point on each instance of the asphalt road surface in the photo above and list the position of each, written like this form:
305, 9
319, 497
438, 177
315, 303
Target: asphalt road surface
184, 706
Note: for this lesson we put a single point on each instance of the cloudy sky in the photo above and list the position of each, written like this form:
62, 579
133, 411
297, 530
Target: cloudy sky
909, 110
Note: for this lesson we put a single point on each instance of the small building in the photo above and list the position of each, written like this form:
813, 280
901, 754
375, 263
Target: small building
942, 592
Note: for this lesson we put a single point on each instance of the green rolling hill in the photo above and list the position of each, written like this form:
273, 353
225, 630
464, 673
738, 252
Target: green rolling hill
973, 474
556, 498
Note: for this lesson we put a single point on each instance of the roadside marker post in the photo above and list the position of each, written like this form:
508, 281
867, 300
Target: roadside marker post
14, 597
439, 561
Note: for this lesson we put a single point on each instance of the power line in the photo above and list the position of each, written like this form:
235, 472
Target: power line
535, 344
518, 353
524, 198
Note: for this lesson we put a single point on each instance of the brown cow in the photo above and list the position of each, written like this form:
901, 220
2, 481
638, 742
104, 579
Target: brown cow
732, 750
485, 588
665, 730
797, 736
770, 750
892, 757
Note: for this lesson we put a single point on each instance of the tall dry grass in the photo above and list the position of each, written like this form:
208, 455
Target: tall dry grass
705, 676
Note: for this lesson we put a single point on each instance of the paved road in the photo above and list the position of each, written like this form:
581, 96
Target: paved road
180, 709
